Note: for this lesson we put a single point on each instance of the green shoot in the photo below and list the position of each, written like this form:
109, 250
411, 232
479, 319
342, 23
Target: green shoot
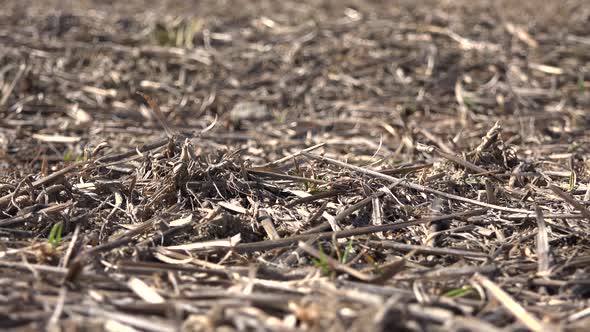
470, 102
347, 251
574, 147
322, 262
581, 84
178, 34
459, 292
281, 116
55, 234
573, 180
69, 156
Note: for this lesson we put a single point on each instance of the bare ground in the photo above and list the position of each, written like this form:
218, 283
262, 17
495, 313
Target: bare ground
294, 165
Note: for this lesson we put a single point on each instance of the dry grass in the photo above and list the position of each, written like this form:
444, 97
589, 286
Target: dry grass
317, 165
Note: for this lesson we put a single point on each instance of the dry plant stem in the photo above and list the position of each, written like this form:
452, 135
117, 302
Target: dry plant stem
490, 195
349, 210
157, 113
315, 197
8, 89
430, 250
71, 246
128, 319
263, 173
270, 229
542, 244
333, 263
283, 81
284, 242
291, 156
153, 267
462, 162
405, 170
316, 215
414, 186
161, 236
570, 200
436, 140
48, 269
516, 309
4, 200
390, 269
58, 310
78, 263
27, 216
131, 153
122, 240
547, 216
293, 256
579, 315
490, 137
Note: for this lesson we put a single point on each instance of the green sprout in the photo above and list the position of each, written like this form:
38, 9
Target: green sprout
70, 156
572, 181
458, 292
281, 116
179, 34
347, 251
581, 84
55, 234
573, 147
322, 262
470, 102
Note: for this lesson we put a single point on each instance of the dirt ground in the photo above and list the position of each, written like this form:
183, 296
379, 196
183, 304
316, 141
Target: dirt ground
294, 165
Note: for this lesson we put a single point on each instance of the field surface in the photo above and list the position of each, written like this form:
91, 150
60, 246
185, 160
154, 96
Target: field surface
294, 165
